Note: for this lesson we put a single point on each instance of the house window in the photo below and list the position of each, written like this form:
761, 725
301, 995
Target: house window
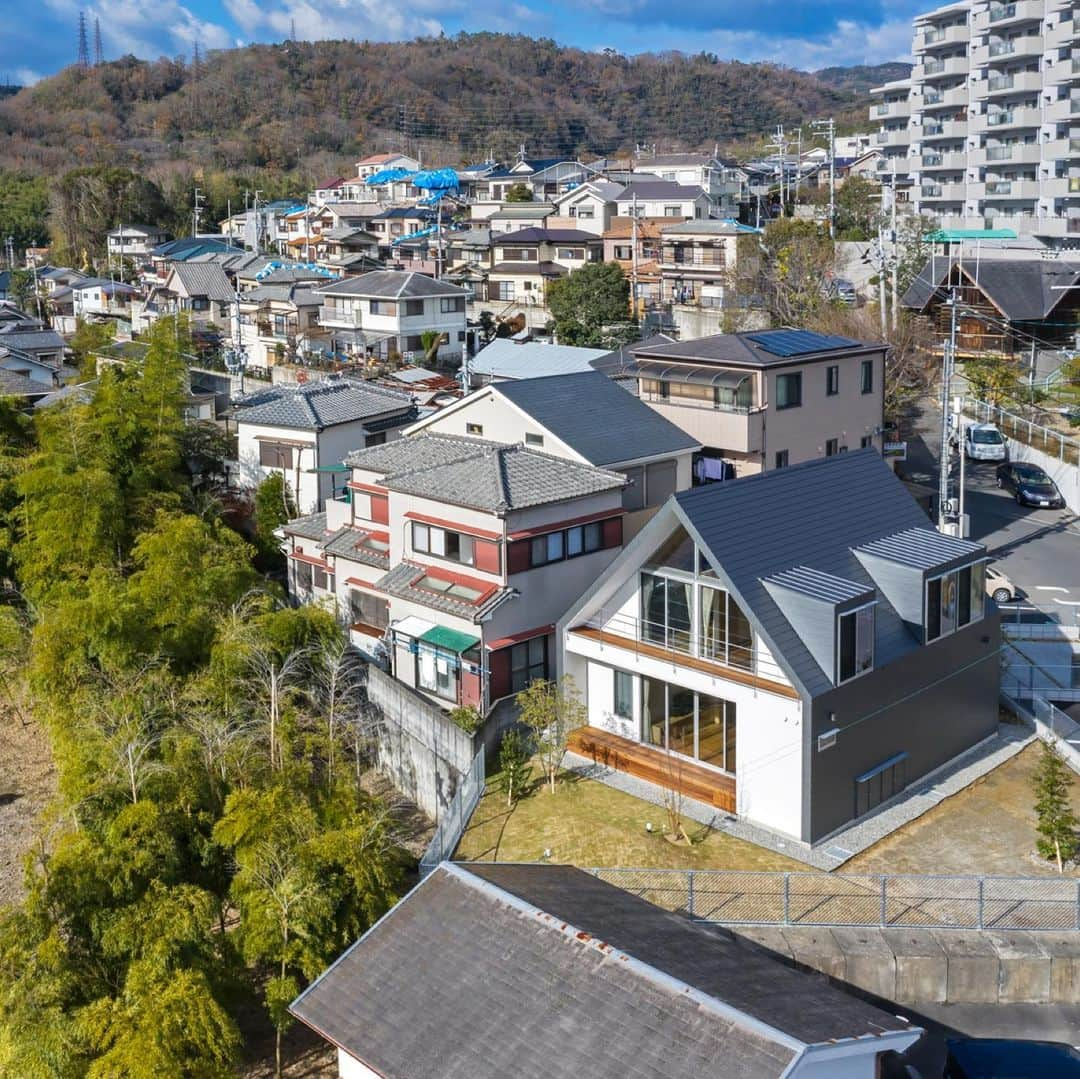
586, 213
880, 784
502, 290
789, 390
451, 304
438, 672
692, 724
528, 663
302, 576
200, 303
832, 380
623, 251
318, 577
867, 376
570, 253
672, 211
623, 695
443, 543
954, 600
832, 447
275, 455
383, 307
414, 307
781, 459
474, 429
534, 440
569, 543
855, 643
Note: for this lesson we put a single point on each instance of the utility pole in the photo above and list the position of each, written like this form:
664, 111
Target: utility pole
196, 213
10, 252
882, 262
798, 166
633, 256
895, 251
780, 143
829, 127
945, 462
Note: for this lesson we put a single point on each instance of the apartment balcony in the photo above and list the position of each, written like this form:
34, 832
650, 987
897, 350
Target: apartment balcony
737, 430
954, 98
945, 129
1061, 34
932, 69
1061, 187
893, 137
339, 318
939, 37
931, 162
952, 192
1006, 119
1011, 190
891, 110
1007, 15
1065, 108
1015, 82
1057, 227
1063, 71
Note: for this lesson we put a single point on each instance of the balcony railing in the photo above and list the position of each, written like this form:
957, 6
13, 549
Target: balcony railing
1073, 224
1002, 11
932, 37
930, 191
340, 316
998, 119
999, 187
1002, 48
931, 160
933, 67
932, 99
736, 655
1001, 82
998, 153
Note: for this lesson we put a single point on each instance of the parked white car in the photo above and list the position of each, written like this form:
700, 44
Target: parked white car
984, 442
998, 586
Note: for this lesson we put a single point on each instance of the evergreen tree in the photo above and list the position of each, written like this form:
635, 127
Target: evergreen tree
591, 306
1058, 824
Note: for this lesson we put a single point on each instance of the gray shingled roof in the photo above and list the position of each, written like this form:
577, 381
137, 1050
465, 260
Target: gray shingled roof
204, 279
391, 285
401, 581
814, 515
541, 235
658, 189
311, 527
546, 972
487, 476
31, 340
596, 418
312, 406
12, 384
344, 543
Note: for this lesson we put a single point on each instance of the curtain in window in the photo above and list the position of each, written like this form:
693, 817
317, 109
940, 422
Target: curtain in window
713, 622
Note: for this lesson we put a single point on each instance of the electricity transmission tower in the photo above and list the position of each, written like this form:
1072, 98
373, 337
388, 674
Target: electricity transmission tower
99, 52
84, 44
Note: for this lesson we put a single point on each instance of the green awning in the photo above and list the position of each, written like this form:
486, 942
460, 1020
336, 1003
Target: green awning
342, 467
945, 236
450, 639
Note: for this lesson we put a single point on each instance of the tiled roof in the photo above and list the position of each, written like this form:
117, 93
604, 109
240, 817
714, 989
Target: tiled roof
541, 235
596, 418
204, 279
487, 476
312, 527
12, 384
312, 406
30, 340
391, 285
551, 966
534, 269
345, 544
401, 582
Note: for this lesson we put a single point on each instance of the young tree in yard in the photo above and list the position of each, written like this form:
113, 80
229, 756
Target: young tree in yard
551, 710
590, 306
858, 204
514, 768
1058, 825
273, 508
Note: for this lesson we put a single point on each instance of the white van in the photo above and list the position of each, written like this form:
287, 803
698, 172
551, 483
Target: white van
984, 442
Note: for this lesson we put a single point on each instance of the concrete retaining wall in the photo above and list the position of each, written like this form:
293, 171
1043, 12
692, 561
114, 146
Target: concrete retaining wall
929, 966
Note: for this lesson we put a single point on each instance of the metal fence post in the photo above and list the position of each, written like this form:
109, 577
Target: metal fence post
982, 882
884, 902
1078, 904
787, 899
690, 891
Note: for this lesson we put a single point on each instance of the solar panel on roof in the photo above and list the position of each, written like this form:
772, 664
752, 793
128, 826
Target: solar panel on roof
798, 342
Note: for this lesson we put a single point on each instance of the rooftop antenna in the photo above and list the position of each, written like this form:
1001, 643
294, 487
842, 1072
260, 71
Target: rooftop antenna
99, 52
84, 44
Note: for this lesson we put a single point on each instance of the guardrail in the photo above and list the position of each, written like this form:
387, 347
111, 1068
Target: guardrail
736, 897
1026, 431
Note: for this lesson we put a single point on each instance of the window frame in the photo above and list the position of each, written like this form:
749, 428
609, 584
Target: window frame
832, 380
440, 541
591, 540
622, 693
948, 613
529, 665
797, 377
782, 459
868, 623
866, 377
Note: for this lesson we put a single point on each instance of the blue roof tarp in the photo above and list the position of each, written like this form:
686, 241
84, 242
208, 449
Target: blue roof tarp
389, 176
437, 180
414, 235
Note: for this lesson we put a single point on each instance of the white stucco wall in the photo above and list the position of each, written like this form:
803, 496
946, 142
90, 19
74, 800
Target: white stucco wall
351, 1068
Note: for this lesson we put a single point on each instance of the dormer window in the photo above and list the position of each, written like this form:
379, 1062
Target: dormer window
855, 643
954, 600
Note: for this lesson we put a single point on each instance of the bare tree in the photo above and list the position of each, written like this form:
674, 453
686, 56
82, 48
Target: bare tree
673, 796
273, 678
339, 680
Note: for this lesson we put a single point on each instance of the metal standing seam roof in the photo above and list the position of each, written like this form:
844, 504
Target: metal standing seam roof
507, 359
488, 476
817, 585
842, 505
548, 972
596, 418
315, 405
922, 548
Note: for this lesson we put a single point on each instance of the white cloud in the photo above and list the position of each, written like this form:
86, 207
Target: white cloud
374, 20
25, 76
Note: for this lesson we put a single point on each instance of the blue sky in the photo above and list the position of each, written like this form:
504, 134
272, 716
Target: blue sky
800, 33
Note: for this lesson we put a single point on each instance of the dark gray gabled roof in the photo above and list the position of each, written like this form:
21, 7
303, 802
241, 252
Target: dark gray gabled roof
814, 584
31, 340
544, 236
819, 514
596, 418
312, 406
487, 476
926, 284
547, 972
204, 279
391, 285
12, 384
758, 348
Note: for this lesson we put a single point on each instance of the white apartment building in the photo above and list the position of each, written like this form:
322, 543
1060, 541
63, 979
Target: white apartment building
989, 126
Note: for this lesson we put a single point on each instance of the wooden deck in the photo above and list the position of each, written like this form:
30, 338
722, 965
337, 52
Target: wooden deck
655, 766
694, 663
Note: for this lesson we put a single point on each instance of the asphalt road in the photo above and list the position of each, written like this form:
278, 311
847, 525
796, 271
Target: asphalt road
1039, 550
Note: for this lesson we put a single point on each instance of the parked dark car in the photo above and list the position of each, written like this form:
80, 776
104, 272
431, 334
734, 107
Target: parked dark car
1029, 484
1007, 1058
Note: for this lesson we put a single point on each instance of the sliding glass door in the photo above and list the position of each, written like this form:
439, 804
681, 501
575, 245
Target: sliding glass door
694, 725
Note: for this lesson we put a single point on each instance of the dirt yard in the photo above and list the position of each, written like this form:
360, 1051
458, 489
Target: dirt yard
27, 783
987, 829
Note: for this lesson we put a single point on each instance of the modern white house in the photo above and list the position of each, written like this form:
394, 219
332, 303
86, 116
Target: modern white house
454, 557
797, 647
386, 313
306, 430
133, 241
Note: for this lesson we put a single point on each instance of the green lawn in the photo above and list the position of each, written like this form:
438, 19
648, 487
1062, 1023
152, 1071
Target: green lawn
589, 824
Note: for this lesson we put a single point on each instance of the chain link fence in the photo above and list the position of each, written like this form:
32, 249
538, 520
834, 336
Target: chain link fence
730, 897
454, 820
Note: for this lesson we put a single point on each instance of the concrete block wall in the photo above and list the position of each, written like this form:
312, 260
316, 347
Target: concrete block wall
935, 966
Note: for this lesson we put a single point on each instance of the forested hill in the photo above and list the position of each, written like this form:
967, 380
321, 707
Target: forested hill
274, 105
